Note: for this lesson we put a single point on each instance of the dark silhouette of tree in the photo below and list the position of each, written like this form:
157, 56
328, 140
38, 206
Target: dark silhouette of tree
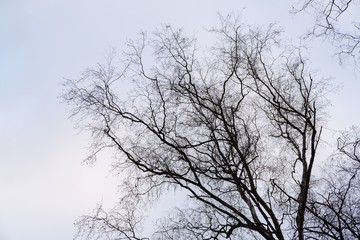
236, 127
335, 210
332, 22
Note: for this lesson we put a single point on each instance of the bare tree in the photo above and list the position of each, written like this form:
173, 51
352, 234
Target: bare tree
236, 127
335, 210
332, 22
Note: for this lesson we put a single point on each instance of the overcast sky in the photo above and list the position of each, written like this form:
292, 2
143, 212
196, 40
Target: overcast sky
44, 186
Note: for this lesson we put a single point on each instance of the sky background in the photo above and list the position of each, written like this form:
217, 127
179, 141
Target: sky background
44, 186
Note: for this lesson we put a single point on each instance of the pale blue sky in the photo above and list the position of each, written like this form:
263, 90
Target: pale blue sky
44, 186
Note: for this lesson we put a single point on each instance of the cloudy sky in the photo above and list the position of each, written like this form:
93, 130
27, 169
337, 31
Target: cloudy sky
44, 186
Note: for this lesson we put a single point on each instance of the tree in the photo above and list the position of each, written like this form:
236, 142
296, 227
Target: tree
332, 23
335, 211
237, 130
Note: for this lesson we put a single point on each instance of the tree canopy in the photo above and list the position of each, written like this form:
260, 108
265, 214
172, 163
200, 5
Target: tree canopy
237, 127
